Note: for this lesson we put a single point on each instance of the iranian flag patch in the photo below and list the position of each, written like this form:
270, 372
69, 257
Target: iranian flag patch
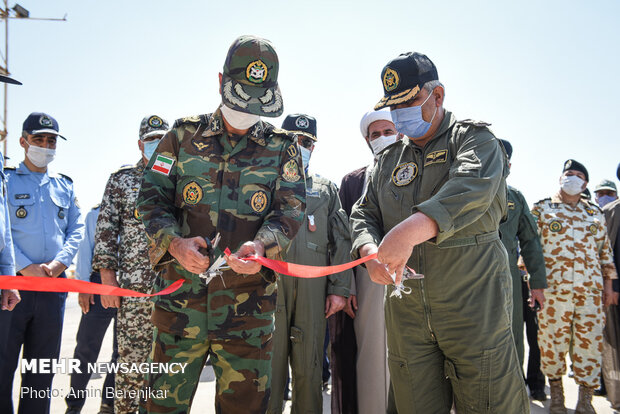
162, 164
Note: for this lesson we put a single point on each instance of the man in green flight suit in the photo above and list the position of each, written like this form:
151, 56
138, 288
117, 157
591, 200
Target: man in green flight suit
434, 203
520, 237
303, 305
232, 174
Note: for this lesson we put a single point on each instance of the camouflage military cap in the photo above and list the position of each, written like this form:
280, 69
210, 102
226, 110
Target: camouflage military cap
404, 77
250, 77
301, 124
153, 125
606, 185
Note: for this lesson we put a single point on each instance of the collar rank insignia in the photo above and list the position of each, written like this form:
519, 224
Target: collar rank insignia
404, 173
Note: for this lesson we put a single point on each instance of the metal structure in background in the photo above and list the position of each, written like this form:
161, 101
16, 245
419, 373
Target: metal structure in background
17, 12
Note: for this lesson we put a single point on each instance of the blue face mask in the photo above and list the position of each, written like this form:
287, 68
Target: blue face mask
305, 156
409, 121
150, 147
604, 200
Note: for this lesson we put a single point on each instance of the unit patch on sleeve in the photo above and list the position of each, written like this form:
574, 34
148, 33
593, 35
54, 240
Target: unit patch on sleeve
290, 171
436, 157
404, 173
192, 193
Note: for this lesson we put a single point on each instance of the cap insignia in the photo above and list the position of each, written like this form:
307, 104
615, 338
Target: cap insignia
390, 80
155, 122
45, 121
256, 72
302, 122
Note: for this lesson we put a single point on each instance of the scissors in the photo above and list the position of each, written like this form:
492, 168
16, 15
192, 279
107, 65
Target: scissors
217, 265
408, 273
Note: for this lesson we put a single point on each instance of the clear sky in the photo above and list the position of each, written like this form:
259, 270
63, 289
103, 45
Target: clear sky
544, 73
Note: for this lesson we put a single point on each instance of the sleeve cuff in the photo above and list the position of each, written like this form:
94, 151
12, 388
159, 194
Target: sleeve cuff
106, 261
271, 240
338, 290
362, 240
7, 270
158, 251
436, 211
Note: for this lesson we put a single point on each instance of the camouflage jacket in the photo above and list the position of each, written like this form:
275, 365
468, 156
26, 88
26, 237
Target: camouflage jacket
120, 241
198, 184
575, 245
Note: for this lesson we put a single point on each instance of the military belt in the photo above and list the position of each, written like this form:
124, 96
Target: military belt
470, 241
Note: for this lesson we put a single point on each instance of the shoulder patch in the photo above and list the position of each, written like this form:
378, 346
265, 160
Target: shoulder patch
474, 123
591, 207
66, 177
195, 120
96, 206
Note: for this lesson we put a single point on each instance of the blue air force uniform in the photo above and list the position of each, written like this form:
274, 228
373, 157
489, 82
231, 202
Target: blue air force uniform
46, 225
7, 256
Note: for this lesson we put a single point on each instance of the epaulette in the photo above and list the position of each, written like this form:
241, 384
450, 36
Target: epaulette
474, 123
591, 204
96, 206
279, 131
66, 176
195, 120
543, 200
10, 168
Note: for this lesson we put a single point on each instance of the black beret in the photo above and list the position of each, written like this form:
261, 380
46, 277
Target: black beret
577, 166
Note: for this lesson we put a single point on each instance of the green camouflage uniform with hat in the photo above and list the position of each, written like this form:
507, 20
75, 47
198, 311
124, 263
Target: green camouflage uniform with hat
199, 184
451, 337
322, 240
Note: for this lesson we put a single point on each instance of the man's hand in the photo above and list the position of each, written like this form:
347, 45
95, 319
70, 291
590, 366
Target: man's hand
108, 277
243, 267
35, 269
85, 300
53, 268
397, 245
351, 306
609, 296
376, 270
333, 304
187, 254
10, 298
538, 295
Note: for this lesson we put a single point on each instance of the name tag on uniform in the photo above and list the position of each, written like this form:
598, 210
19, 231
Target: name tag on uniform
22, 196
436, 157
511, 205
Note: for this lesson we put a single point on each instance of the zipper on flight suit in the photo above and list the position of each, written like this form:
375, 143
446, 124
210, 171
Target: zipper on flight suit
427, 309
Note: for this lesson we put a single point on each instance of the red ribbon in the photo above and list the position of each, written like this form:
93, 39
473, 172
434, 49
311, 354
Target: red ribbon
48, 284
303, 271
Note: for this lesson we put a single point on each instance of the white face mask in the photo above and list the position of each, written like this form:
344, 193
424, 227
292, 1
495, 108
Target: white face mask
237, 119
571, 184
39, 156
379, 144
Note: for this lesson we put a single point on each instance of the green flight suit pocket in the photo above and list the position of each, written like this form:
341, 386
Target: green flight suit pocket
400, 378
298, 354
499, 373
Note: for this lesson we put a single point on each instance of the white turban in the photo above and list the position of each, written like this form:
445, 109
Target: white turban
372, 116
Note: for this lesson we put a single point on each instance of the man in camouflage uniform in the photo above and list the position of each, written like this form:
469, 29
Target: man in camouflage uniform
121, 255
304, 304
434, 202
230, 173
519, 236
580, 271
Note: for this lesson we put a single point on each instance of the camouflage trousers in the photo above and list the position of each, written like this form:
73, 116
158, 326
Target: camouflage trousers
572, 322
134, 335
242, 371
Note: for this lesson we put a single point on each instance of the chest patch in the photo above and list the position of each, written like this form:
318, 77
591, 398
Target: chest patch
593, 229
292, 151
590, 211
136, 214
404, 173
436, 157
200, 146
511, 205
290, 171
21, 212
192, 193
555, 226
258, 202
